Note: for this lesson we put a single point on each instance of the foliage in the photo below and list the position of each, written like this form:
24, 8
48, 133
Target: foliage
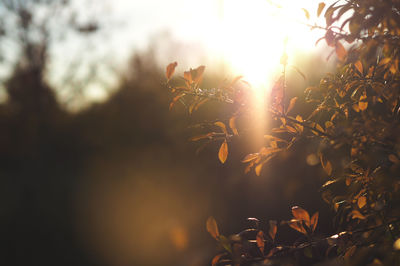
354, 118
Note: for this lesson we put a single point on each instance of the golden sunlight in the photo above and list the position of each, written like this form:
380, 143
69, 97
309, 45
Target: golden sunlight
251, 36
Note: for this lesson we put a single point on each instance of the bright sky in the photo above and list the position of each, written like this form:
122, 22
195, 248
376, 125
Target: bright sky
248, 34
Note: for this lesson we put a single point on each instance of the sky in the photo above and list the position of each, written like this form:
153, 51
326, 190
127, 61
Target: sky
247, 35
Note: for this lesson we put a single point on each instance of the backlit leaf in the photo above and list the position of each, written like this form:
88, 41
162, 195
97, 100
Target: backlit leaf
320, 8
170, 70
361, 201
356, 214
359, 66
232, 125
291, 104
197, 74
260, 241
340, 51
297, 225
250, 157
258, 168
223, 152
314, 221
212, 227
272, 229
187, 75
216, 259
363, 104
301, 214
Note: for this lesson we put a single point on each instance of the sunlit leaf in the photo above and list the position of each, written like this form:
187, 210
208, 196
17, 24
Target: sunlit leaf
222, 126
340, 51
361, 202
232, 125
212, 227
330, 182
320, 8
297, 225
359, 66
258, 169
216, 259
314, 221
170, 70
326, 165
250, 157
291, 104
384, 61
330, 38
223, 152
301, 214
363, 104
187, 75
273, 228
225, 243
306, 13
175, 99
356, 214
197, 74
260, 241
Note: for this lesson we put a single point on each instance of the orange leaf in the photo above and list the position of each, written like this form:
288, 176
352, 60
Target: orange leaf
212, 227
320, 8
197, 74
361, 202
301, 214
260, 241
357, 214
314, 221
296, 225
327, 166
215, 260
250, 157
222, 126
363, 104
291, 104
223, 152
170, 70
340, 51
232, 125
359, 66
272, 229
187, 75
258, 168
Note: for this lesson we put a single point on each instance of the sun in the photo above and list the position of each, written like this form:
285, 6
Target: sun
251, 36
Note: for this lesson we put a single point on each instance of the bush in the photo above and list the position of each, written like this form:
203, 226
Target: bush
354, 118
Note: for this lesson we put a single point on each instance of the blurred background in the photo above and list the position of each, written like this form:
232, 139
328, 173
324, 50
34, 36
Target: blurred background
94, 168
